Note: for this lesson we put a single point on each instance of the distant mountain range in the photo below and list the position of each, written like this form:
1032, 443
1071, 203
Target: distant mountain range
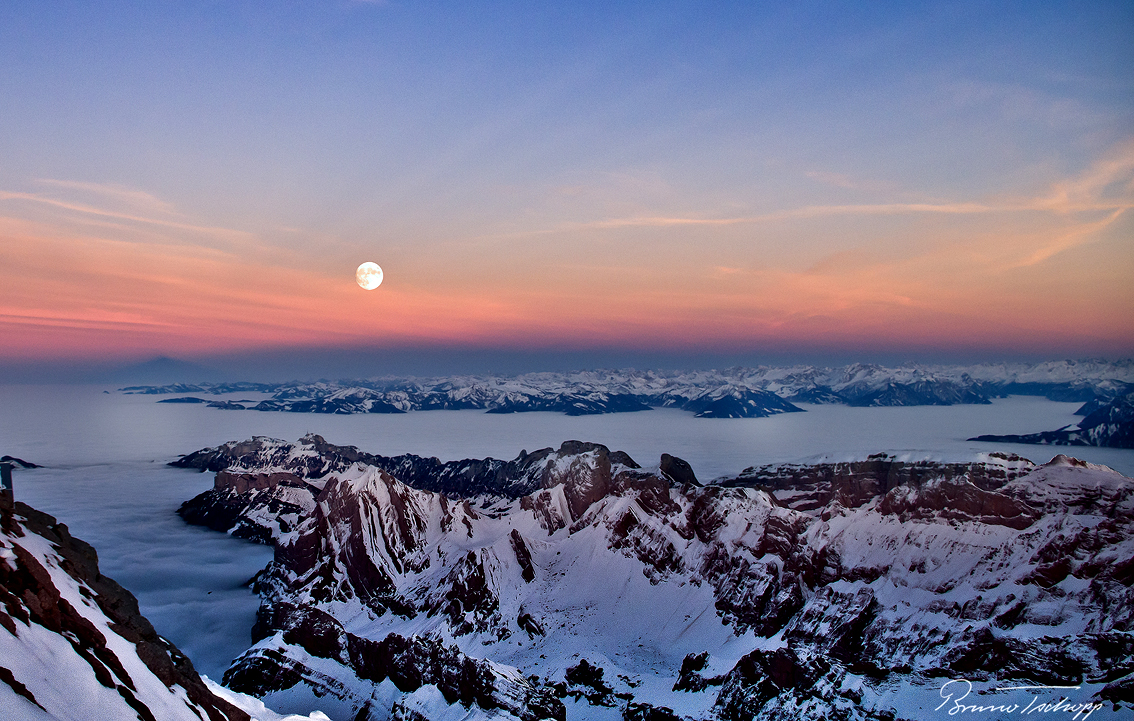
731, 393
575, 583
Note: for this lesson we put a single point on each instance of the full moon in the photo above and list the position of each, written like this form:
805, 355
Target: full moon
369, 276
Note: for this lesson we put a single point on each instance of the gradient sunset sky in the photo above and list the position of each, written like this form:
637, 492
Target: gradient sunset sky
750, 181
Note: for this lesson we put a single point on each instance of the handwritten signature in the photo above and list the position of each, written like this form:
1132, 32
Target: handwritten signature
964, 687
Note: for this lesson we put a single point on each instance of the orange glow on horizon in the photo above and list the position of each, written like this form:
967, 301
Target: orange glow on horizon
94, 283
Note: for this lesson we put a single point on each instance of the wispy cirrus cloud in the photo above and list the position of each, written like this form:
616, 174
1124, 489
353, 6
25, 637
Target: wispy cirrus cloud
810, 211
1060, 242
1028, 229
130, 196
973, 268
96, 211
1107, 185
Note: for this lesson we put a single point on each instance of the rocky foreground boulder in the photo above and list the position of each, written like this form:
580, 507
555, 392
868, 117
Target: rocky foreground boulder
73, 644
854, 590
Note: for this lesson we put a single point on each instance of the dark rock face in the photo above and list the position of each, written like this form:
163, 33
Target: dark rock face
285, 496
834, 623
523, 556
1044, 661
648, 712
690, 678
1105, 424
677, 470
761, 676
263, 452
1120, 692
585, 680
1089, 407
31, 599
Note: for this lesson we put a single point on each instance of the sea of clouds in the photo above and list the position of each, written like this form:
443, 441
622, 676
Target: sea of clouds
104, 474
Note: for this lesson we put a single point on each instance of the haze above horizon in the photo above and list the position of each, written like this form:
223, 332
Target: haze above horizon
587, 185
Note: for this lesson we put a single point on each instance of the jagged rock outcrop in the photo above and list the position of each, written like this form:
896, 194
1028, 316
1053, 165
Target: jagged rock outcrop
690, 677
677, 470
73, 644
1105, 424
784, 676
836, 581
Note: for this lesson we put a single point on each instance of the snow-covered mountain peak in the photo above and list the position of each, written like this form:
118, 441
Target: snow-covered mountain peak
600, 584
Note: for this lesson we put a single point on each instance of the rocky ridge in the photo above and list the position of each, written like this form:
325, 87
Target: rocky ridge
608, 590
73, 644
313, 459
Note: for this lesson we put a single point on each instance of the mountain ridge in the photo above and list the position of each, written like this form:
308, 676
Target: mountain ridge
850, 576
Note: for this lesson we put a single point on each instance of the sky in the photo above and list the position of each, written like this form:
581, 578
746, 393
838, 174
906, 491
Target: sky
594, 184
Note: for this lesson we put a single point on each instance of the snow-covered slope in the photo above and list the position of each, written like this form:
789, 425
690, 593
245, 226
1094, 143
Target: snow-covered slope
612, 591
72, 642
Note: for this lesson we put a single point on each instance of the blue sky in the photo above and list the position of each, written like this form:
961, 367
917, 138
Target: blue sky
536, 176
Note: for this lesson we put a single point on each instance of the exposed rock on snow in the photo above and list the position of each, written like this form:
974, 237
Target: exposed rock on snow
409, 663
792, 592
73, 644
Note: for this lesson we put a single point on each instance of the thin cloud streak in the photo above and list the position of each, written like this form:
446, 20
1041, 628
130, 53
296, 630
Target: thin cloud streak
811, 211
101, 212
1079, 194
131, 196
1079, 236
